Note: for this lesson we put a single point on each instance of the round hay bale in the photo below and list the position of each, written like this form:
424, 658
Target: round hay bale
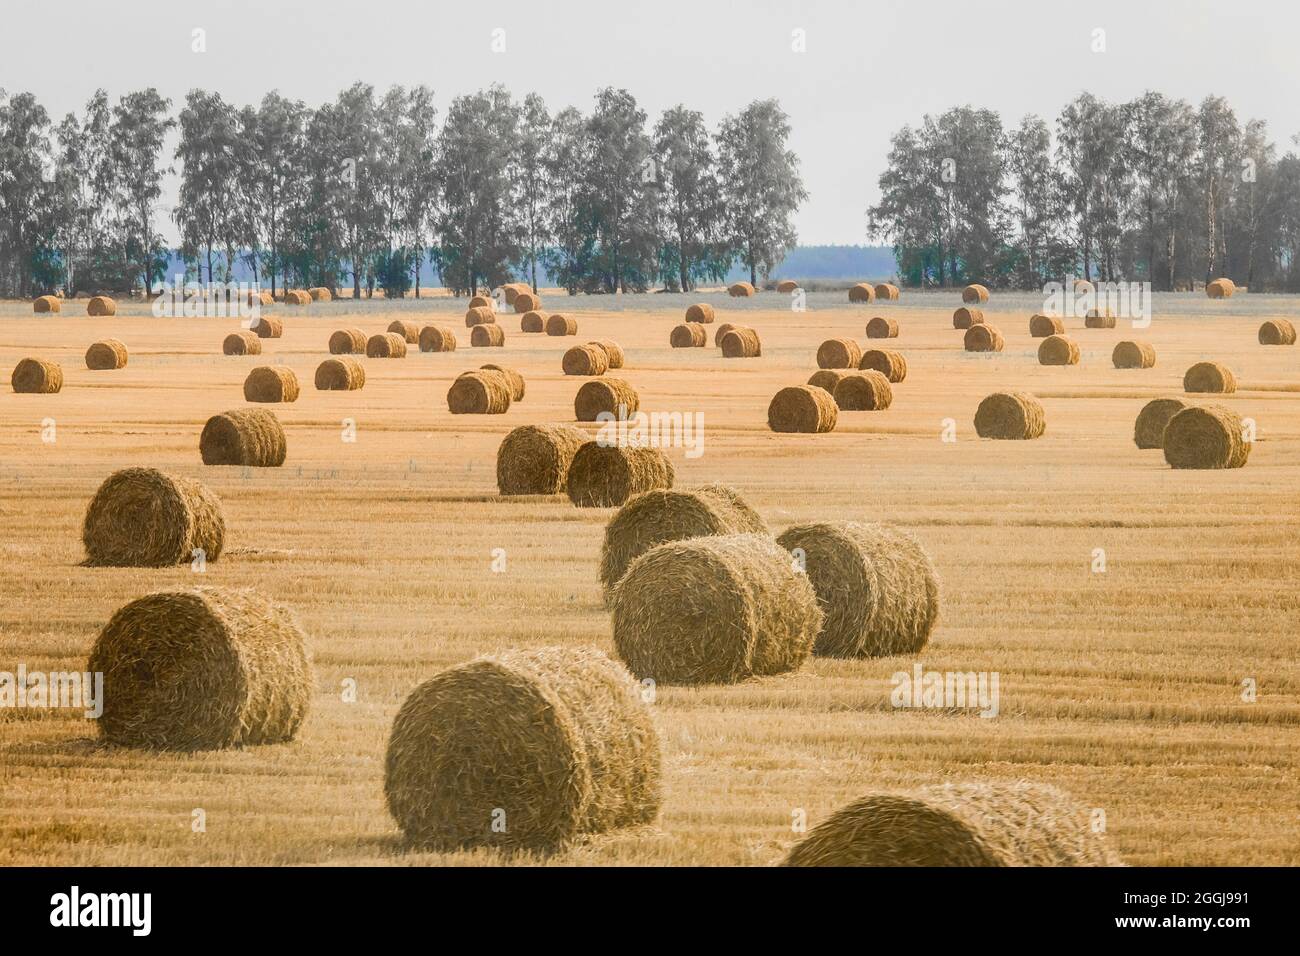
386, 345
1098, 320
740, 290
557, 324
479, 315
1220, 288
722, 330
975, 294
557, 739
251, 437
828, 378
740, 343
863, 392
108, 354
983, 338
296, 297
882, 328
877, 587
1041, 326
1149, 429
535, 459
688, 335
242, 343
605, 476
202, 669
482, 302
101, 305
1058, 350
787, 286
268, 327
146, 518
887, 362
1205, 436
862, 292
609, 396
967, 825
585, 360
964, 318
1011, 416
887, 291
513, 376
1133, 355
1277, 332
487, 336
700, 312
656, 517
527, 302
344, 374
320, 294
802, 408
485, 392
348, 342
437, 338
37, 377
714, 610
271, 383
613, 351
839, 353
532, 322
406, 329
1209, 377
47, 303
510, 291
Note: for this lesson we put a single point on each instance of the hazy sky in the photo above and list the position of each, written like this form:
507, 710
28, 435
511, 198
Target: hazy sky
870, 67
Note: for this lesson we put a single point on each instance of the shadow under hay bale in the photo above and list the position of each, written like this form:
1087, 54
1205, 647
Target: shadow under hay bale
611, 396
975, 294
1041, 326
585, 360
700, 312
487, 336
983, 338
535, 459
802, 408
1209, 377
1207, 436
271, 383
688, 335
252, 437
1277, 332
485, 392
105, 355
887, 362
242, 343
406, 329
839, 353
1010, 416
863, 392
268, 327
1058, 350
437, 338
882, 328
390, 345
613, 352
513, 376
348, 342
145, 518
1149, 429
101, 305
344, 374
557, 324
740, 343
1133, 355
605, 476
964, 318
37, 377
862, 292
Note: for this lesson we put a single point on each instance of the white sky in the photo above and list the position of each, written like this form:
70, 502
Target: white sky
870, 67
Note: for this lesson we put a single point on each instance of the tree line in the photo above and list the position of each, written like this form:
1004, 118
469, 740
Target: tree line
1149, 190
369, 189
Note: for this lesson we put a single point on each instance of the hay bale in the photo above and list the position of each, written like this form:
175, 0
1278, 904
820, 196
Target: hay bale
613, 351
386, 345
887, 362
437, 338
688, 335
348, 342
605, 395
585, 360
1133, 355
1205, 436
510, 291
479, 315
527, 302
297, 297
251, 437
862, 292
983, 338
532, 322
1058, 350
513, 376
1098, 320
271, 383
839, 353
876, 585
482, 302
863, 392
1041, 326
557, 739
146, 518
202, 669
887, 291
1149, 429
1210, 377
557, 324
107, 354
1011, 416
268, 327
967, 825
657, 517
344, 374
882, 328
1220, 288
700, 312
320, 294
242, 343
485, 392
722, 330
1277, 332
101, 305
975, 294
740, 290
964, 318
740, 343
802, 408
828, 378
787, 286
47, 303
714, 610
535, 459
37, 377
487, 336
406, 329
604, 476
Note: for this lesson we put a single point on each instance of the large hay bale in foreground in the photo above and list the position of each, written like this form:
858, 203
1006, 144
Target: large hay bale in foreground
714, 610
964, 318
146, 518
1011, 416
532, 322
348, 342
1041, 326
47, 303
877, 587
605, 476
867, 391
320, 294
437, 338
386, 345
740, 290
608, 396
526, 302
479, 315
242, 343
802, 408
1277, 332
513, 376
974, 824
887, 362
700, 312
983, 338
1096, 319
613, 351
1209, 377
1133, 355
37, 377
344, 374
688, 335
656, 517
862, 292
485, 392
268, 327
1220, 288
1205, 436
108, 354
553, 742
406, 329
202, 669
487, 336
101, 305
828, 378
1149, 429
271, 383
741, 343
975, 294
887, 292
535, 459
839, 353
585, 360
882, 328
251, 437
557, 324
1058, 350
